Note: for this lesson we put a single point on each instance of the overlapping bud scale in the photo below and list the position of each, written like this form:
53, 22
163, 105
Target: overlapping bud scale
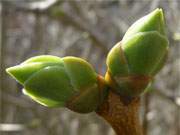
133, 62
56, 82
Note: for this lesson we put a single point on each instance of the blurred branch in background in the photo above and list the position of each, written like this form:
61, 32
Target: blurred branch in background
11, 127
146, 111
173, 99
55, 12
85, 29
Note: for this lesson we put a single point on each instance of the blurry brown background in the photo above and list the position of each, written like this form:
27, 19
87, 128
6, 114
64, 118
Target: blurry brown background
86, 29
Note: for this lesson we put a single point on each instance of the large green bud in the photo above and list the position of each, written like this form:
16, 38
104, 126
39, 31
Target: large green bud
133, 62
61, 82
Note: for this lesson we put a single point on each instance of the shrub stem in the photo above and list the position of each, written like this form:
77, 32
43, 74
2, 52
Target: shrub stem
122, 114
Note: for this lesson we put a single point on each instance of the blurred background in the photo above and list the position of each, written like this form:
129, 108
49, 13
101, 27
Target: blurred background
86, 29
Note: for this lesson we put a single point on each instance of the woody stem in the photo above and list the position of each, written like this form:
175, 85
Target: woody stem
122, 114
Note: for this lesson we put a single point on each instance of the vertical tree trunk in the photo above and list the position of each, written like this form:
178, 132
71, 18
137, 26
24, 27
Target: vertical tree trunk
146, 110
121, 114
2, 57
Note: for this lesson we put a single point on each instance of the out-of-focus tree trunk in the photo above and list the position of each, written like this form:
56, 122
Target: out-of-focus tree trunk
146, 110
3, 50
177, 121
0, 58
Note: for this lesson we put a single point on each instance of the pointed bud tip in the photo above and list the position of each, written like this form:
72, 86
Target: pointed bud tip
156, 19
11, 71
153, 21
159, 11
159, 15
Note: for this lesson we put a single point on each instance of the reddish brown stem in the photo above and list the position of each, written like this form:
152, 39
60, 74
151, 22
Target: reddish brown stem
121, 114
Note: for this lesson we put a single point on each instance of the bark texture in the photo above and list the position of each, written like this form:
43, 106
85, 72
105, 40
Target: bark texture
122, 114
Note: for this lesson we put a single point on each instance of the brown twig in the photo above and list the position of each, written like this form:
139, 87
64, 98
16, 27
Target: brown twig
122, 114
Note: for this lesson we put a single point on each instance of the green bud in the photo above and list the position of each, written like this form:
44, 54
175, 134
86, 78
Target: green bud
61, 82
133, 62
151, 22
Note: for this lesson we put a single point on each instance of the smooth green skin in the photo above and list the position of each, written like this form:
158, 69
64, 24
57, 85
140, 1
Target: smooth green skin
51, 86
44, 58
144, 52
23, 71
145, 48
115, 63
83, 79
55, 82
154, 21
81, 76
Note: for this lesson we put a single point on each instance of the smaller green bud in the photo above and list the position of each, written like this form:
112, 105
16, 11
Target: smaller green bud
154, 21
133, 62
61, 82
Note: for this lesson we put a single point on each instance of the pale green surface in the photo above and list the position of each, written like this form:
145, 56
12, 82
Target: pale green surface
43, 58
144, 52
23, 71
154, 21
81, 73
54, 82
50, 84
115, 63
145, 48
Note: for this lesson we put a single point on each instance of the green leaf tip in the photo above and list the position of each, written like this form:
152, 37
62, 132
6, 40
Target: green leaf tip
60, 82
140, 55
